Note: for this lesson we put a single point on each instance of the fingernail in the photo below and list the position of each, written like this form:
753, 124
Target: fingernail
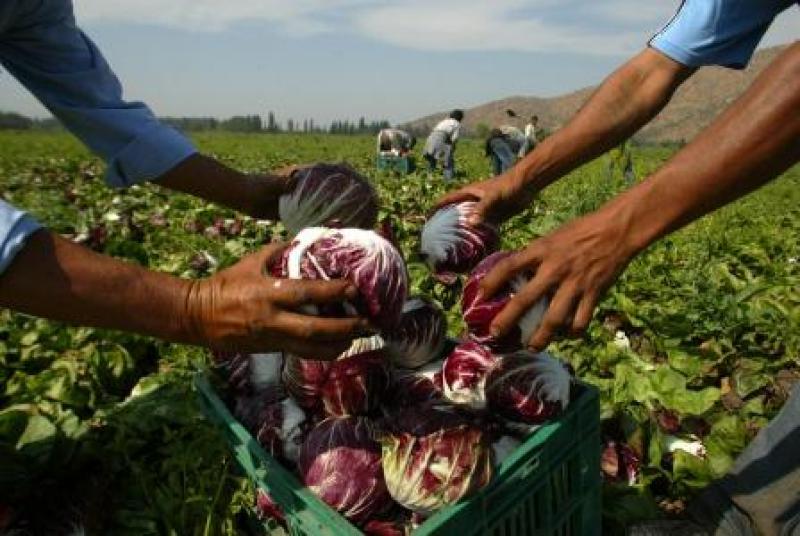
494, 332
351, 291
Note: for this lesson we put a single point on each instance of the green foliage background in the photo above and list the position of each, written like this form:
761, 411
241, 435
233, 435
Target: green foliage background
101, 428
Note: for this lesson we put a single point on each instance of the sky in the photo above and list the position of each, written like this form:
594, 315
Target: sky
342, 59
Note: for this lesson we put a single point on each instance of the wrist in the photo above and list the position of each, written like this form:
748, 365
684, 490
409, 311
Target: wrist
634, 220
189, 314
263, 194
523, 189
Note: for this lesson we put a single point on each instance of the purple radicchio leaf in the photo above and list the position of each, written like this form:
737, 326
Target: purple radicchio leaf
417, 386
425, 472
479, 311
450, 245
374, 266
464, 374
420, 336
340, 462
527, 387
329, 195
353, 384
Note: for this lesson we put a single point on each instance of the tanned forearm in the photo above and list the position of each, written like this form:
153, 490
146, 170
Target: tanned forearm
753, 141
209, 179
626, 101
54, 278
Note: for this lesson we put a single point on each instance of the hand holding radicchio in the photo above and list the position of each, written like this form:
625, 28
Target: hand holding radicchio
420, 336
328, 194
340, 462
479, 311
370, 262
451, 245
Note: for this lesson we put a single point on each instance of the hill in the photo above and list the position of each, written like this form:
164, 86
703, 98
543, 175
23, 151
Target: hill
693, 107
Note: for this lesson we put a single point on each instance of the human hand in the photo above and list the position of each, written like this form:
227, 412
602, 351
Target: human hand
244, 309
573, 266
499, 198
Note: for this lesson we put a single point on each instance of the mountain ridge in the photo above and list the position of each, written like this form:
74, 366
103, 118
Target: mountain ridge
695, 104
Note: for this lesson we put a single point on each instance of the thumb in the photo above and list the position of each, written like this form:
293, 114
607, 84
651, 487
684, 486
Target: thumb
482, 211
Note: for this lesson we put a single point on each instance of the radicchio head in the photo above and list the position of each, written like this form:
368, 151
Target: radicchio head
340, 462
464, 374
420, 335
369, 261
527, 387
328, 194
479, 311
451, 245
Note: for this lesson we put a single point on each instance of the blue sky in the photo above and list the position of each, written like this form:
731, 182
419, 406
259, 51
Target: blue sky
330, 59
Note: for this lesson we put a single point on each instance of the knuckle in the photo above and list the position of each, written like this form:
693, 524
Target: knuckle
307, 329
300, 293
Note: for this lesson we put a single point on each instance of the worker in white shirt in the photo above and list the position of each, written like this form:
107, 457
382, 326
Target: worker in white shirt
395, 142
441, 144
531, 131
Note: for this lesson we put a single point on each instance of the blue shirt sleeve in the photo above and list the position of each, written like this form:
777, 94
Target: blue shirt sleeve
15, 227
717, 32
46, 51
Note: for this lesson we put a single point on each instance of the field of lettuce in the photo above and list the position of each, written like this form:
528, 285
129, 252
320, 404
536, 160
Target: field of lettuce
698, 341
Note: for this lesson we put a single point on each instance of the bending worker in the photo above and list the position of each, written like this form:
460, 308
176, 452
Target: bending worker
441, 144
395, 141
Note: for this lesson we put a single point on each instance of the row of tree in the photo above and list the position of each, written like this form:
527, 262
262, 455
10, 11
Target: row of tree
254, 123
11, 120
237, 123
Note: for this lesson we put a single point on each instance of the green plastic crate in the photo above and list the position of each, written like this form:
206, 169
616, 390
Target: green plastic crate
550, 485
401, 164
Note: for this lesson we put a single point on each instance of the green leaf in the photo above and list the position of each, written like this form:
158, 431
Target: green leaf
690, 472
670, 387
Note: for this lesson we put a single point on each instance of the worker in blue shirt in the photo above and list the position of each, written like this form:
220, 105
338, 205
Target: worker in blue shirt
46, 275
749, 144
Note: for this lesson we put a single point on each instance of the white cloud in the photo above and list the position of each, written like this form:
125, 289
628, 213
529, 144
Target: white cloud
607, 27
295, 16
514, 25
634, 12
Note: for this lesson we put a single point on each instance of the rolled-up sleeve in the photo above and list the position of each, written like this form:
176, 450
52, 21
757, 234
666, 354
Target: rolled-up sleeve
62, 67
15, 228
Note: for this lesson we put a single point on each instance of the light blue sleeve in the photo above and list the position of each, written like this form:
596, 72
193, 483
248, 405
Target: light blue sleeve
15, 227
717, 32
45, 50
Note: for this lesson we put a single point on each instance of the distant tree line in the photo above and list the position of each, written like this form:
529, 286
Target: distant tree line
361, 127
11, 120
237, 123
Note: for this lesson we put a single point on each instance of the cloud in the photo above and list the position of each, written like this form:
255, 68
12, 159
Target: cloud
509, 25
294, 16
609, 27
